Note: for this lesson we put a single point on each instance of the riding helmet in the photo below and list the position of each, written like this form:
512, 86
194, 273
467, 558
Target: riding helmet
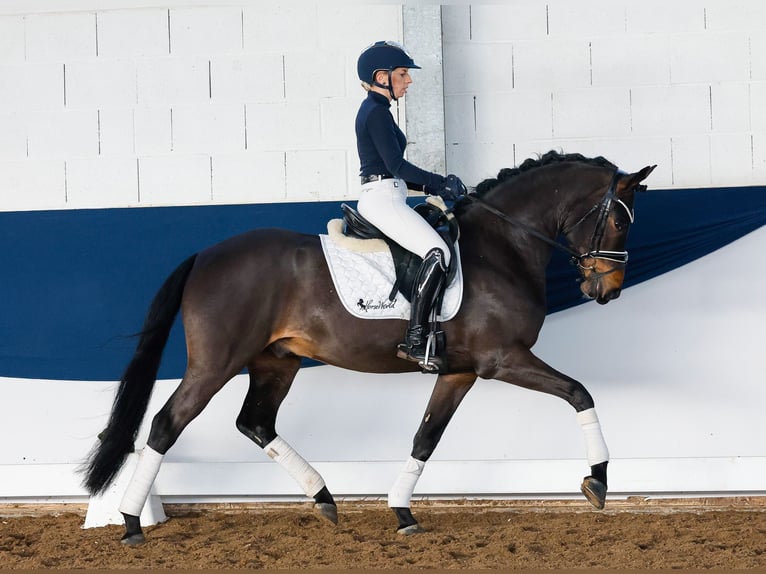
383, 55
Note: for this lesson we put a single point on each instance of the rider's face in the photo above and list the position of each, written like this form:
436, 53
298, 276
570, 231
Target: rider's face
400, 80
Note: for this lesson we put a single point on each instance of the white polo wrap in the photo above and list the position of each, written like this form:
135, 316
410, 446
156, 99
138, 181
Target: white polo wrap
141, 483
595, 446
296, 466
401, 492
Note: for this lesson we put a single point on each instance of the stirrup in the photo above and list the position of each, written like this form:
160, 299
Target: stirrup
422, 354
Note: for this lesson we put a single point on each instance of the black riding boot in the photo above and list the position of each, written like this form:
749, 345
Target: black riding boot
428, 283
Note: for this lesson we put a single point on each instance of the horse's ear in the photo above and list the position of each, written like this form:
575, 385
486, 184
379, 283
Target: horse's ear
631, 180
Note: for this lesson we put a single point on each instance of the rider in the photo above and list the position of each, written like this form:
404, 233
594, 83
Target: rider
383, 69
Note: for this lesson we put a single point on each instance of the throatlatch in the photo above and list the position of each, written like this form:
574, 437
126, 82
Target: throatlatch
422, 341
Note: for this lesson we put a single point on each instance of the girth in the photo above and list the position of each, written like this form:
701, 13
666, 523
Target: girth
406, 263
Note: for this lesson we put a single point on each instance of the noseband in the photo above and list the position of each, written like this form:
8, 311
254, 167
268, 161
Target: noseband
603, 208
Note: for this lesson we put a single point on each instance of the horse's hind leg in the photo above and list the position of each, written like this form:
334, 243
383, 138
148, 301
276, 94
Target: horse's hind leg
445, 398
270, 380
188, 400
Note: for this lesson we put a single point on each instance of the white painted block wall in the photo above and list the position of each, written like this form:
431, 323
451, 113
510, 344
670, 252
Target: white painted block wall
680, 84
148, 105
144, 105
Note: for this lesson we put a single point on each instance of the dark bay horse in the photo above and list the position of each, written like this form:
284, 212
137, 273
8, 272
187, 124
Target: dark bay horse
243, 303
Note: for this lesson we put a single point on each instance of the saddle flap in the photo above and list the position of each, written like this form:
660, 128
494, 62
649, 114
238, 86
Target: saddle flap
406, 263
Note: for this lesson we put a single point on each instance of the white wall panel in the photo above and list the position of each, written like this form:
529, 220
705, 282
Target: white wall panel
504, 22
585, 20
60, 36
456, 22
758, 57
102, 182
152, 130
593, 112
287, 125
705, 58
32, 184
670, 111
96, 83
759, 156
639, 60
209, 128
337, 120
653, 16
174, 180
32, 87
315, 75
172, 80
247, 78
731, 158
12, 46
314, 174
249, 177
551, 63
116, 136
730, 107
13, 136
462, 124
508, 117
272, 26
691, 160
353, 26
477, 68
735, 15
133, 33
757, 107
63, 134
202, 30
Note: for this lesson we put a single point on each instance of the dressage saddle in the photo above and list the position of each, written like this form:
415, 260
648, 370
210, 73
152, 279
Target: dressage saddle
406, 263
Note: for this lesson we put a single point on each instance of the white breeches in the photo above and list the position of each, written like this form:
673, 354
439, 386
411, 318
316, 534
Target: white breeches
383, 203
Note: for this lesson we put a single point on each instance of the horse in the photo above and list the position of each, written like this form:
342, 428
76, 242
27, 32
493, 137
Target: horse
243, 307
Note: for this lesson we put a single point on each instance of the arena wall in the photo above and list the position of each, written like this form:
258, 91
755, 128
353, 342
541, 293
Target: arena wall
150, 104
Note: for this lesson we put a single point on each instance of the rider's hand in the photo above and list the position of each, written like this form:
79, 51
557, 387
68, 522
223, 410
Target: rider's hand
451, 188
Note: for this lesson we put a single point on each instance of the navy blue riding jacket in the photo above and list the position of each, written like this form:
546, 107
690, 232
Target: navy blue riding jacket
381, 144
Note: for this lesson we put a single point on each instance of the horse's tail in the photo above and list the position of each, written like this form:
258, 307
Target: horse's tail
135, 390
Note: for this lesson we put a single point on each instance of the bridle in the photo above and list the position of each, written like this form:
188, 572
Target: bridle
602, 208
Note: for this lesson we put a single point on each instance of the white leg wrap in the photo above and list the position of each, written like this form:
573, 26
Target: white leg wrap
595, 446
401, 492
304, 474
141, 483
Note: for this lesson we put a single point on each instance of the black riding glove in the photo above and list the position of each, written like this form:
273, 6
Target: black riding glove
451, 189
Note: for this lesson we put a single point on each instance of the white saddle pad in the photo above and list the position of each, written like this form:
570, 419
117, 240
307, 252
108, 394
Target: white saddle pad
363, 274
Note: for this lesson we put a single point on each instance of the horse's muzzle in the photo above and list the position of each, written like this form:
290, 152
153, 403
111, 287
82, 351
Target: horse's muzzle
603, 286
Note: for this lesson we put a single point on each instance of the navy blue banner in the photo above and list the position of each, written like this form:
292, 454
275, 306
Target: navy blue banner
76, 284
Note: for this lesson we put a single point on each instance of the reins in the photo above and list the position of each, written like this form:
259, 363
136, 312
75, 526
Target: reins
531, 230
603, 208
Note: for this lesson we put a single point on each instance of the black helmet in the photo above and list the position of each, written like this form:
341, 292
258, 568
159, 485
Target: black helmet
383, 55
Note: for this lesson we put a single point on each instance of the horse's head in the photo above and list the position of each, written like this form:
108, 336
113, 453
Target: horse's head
599, 234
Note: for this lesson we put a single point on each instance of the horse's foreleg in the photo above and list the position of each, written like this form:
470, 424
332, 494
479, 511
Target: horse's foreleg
270, 380
445, 398
530, 372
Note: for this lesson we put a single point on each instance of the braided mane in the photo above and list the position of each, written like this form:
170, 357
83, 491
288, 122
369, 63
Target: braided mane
545, 159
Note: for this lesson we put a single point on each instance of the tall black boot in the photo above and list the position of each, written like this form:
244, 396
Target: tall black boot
428, 283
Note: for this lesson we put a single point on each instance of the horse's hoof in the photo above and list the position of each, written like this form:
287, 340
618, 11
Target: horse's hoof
328, 511
133, 539
410, 530
595, 491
